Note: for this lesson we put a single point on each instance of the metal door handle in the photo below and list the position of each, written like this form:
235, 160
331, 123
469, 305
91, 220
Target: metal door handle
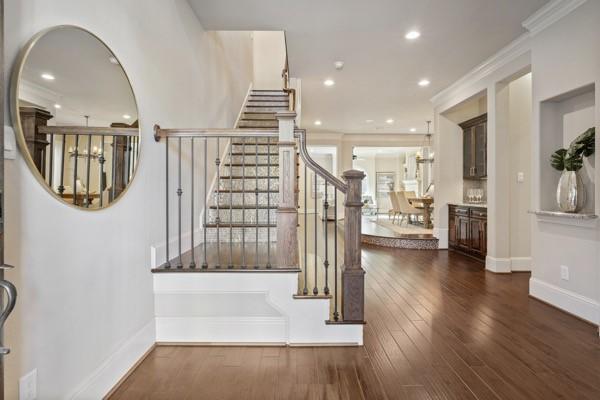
11, 299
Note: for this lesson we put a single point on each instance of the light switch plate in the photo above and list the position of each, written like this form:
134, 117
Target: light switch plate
28, 386
520, 177
564, 272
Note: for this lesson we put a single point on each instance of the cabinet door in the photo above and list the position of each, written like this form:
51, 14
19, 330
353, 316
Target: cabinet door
480, 165
478, 229
468, 156
452, 226
462, 233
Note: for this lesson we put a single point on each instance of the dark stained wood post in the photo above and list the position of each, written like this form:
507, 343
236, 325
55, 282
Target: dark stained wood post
287, 211
31, 119
353, 276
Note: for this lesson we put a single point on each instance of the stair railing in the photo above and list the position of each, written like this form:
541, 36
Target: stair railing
319, 255
233, 245
285, 75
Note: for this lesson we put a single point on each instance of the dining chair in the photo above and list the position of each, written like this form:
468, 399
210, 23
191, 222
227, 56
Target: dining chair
395, 210
406, 209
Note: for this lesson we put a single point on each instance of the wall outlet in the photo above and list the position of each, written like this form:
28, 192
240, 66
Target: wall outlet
28, 386
564, 272
520, 177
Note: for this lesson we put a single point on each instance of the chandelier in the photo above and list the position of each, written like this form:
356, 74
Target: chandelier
426, 144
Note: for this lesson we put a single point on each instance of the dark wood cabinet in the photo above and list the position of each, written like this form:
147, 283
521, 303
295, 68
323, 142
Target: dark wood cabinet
468, 230
475, 147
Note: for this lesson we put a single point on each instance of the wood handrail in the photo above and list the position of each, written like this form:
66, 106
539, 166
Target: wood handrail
315, 167
160, 133
90, 131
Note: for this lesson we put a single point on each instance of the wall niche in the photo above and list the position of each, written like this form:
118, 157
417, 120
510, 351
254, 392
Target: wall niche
562, 119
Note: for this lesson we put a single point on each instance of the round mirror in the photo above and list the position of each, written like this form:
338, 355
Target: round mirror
75, 117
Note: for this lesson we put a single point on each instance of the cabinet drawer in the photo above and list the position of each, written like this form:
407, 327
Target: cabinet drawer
478, 213
455, 210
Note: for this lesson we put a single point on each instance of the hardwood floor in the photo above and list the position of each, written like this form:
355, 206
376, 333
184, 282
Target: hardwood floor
438, 327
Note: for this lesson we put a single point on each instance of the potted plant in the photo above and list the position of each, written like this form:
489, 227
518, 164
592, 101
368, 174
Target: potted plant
570, 193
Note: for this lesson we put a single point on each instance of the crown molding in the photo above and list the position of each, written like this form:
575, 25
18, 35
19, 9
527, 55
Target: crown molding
512, 51
549, 14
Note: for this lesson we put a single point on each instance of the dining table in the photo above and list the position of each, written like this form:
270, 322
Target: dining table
426, 203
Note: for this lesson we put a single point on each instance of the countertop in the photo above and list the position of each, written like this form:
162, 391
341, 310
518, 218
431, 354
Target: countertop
475, 205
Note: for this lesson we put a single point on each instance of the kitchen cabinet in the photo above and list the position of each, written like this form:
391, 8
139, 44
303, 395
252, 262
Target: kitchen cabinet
468, 230
475, 147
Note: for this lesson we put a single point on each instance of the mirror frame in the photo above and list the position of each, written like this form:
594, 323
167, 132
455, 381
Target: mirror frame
18, 128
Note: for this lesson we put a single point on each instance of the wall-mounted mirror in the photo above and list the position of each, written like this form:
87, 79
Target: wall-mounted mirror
75, 117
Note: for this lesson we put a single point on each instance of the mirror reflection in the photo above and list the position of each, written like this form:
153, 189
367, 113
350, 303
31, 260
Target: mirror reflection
77, 119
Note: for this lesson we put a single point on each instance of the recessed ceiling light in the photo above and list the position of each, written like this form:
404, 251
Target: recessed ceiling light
412, 35
57, 106
413, 129
318, 122
126, 116
328, 82
48, 77
339, 65
113, 60
389, 121
369, 121
424, 82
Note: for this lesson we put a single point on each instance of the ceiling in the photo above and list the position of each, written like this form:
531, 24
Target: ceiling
382, 151
382, 68
86, 81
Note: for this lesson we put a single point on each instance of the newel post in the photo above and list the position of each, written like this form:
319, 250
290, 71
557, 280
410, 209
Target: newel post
353, 276
287, 211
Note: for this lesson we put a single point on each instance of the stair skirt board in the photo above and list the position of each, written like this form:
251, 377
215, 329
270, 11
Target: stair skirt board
243, 308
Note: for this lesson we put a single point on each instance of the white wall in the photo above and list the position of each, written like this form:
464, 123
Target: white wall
85, 289
565, 56
269, 59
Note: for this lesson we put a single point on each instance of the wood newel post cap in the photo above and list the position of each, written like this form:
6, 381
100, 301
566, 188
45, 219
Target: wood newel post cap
353, 174
283, 115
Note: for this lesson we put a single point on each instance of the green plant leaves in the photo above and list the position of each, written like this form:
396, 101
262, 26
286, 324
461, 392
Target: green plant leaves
584, 145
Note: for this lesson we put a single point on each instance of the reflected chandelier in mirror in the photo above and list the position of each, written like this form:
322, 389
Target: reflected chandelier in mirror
75, 117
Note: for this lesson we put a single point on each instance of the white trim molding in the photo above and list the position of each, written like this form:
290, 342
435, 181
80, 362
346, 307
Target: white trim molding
511, 52
549, 14
442, 235
498, 265
117, 365
573, 303
520, 264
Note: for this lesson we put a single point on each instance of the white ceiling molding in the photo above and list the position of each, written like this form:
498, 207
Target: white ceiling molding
515, 49
549, 14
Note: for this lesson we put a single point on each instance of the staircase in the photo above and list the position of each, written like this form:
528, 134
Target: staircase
242, 280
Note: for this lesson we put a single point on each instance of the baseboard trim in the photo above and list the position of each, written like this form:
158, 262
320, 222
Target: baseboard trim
129, 372
498, 265
118, 365
520, 264
566, 300
442, 235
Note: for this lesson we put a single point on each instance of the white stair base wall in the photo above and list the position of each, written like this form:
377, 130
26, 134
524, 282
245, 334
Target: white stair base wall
245, 307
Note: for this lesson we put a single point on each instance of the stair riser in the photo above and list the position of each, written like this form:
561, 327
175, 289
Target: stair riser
248, 217
248, 184
236, 236
250, 198
251, 159
258, 124
261, 116
266, 109
261, 140
250, 171
279, 103
251, 148
267, 93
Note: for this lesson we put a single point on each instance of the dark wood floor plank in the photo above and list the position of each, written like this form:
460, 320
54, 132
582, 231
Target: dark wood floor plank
439, 327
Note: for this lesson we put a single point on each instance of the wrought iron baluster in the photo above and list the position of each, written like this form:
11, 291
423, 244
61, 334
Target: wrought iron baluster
204, 262
315, 288
218, 219
192, 224
230, 266
268, 202
336, 314
243, 202
168, 262
256, 200
306, 189
326, 262
51, 162
87, 174
113, 173
179, 193
101, 161
61, 187
76, 156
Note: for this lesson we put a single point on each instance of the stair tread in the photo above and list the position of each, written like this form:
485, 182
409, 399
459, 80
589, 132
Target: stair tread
248, 154
249, 165
245, 191
251, 178
243, 207
239, 225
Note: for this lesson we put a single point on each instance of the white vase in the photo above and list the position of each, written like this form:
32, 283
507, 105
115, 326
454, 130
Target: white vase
570, 193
